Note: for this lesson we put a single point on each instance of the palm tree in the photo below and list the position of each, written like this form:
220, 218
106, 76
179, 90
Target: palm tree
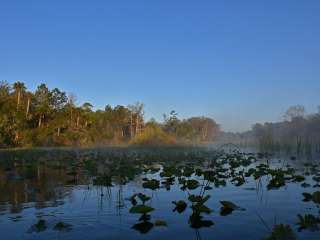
19, 88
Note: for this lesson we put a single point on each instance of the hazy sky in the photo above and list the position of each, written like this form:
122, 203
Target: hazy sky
236, 61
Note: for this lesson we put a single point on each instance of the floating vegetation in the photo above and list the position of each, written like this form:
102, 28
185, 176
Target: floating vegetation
190, 184
191, 176
141, 209
228, 207
315, 197
309, 222
282, 232
180, 206
196, 221
103, 180
62, 227
152, 184
144, 225
40, 226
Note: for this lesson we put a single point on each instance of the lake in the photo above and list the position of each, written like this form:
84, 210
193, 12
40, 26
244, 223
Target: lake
157, 193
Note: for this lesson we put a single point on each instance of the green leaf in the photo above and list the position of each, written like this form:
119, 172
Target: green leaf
144, 198
282, 232
309, 222
192, 184
200, 208
180, 206
151, 184
198, 199
230, 205
316, 197
141, 209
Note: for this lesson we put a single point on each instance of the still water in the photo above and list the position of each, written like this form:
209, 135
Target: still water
94, 194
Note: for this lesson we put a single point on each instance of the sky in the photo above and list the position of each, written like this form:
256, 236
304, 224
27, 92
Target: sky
239, 62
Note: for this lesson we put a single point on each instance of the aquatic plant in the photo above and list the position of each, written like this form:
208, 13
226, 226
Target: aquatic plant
228, 207
315, 197
152, 184
62, 227
103, 180
144, 224
282, 232
180, 206
40, 226
308, 222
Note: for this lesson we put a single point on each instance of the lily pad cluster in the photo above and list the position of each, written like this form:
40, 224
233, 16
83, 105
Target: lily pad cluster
144, 225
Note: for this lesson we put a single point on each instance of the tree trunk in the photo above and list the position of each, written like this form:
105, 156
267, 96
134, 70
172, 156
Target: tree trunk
16, 137
18, 100
58, 133
40, 121
137, 124
131, 126
28, 108
71, 116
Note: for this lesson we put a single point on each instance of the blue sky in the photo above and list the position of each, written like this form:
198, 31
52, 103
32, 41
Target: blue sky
239, 62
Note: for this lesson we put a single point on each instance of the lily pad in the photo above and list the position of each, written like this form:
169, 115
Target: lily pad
40, 226
152, 184
133, 199
307, 197
198, 199
144, 198
196, 221
180, 206
200, 208
316, 197
141, 209
228, 208
143, 227
61, 226
231, 205
192, 184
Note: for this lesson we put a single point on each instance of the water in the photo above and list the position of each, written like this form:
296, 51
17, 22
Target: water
58, 186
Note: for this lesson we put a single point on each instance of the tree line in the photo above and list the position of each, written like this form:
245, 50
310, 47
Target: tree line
297, 133
50, 117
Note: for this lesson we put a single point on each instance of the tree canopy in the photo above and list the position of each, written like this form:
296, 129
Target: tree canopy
51, 117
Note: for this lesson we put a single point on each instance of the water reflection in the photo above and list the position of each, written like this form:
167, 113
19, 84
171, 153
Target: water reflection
147, 191
37, 184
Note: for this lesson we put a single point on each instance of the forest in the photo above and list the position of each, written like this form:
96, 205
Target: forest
51, 117
298, 132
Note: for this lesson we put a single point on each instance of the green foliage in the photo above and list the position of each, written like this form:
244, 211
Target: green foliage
152, 184
282, 232
228, 207
40, 226
153, 135
309, 222
141, 209
62, 227
48, 117
180, 206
